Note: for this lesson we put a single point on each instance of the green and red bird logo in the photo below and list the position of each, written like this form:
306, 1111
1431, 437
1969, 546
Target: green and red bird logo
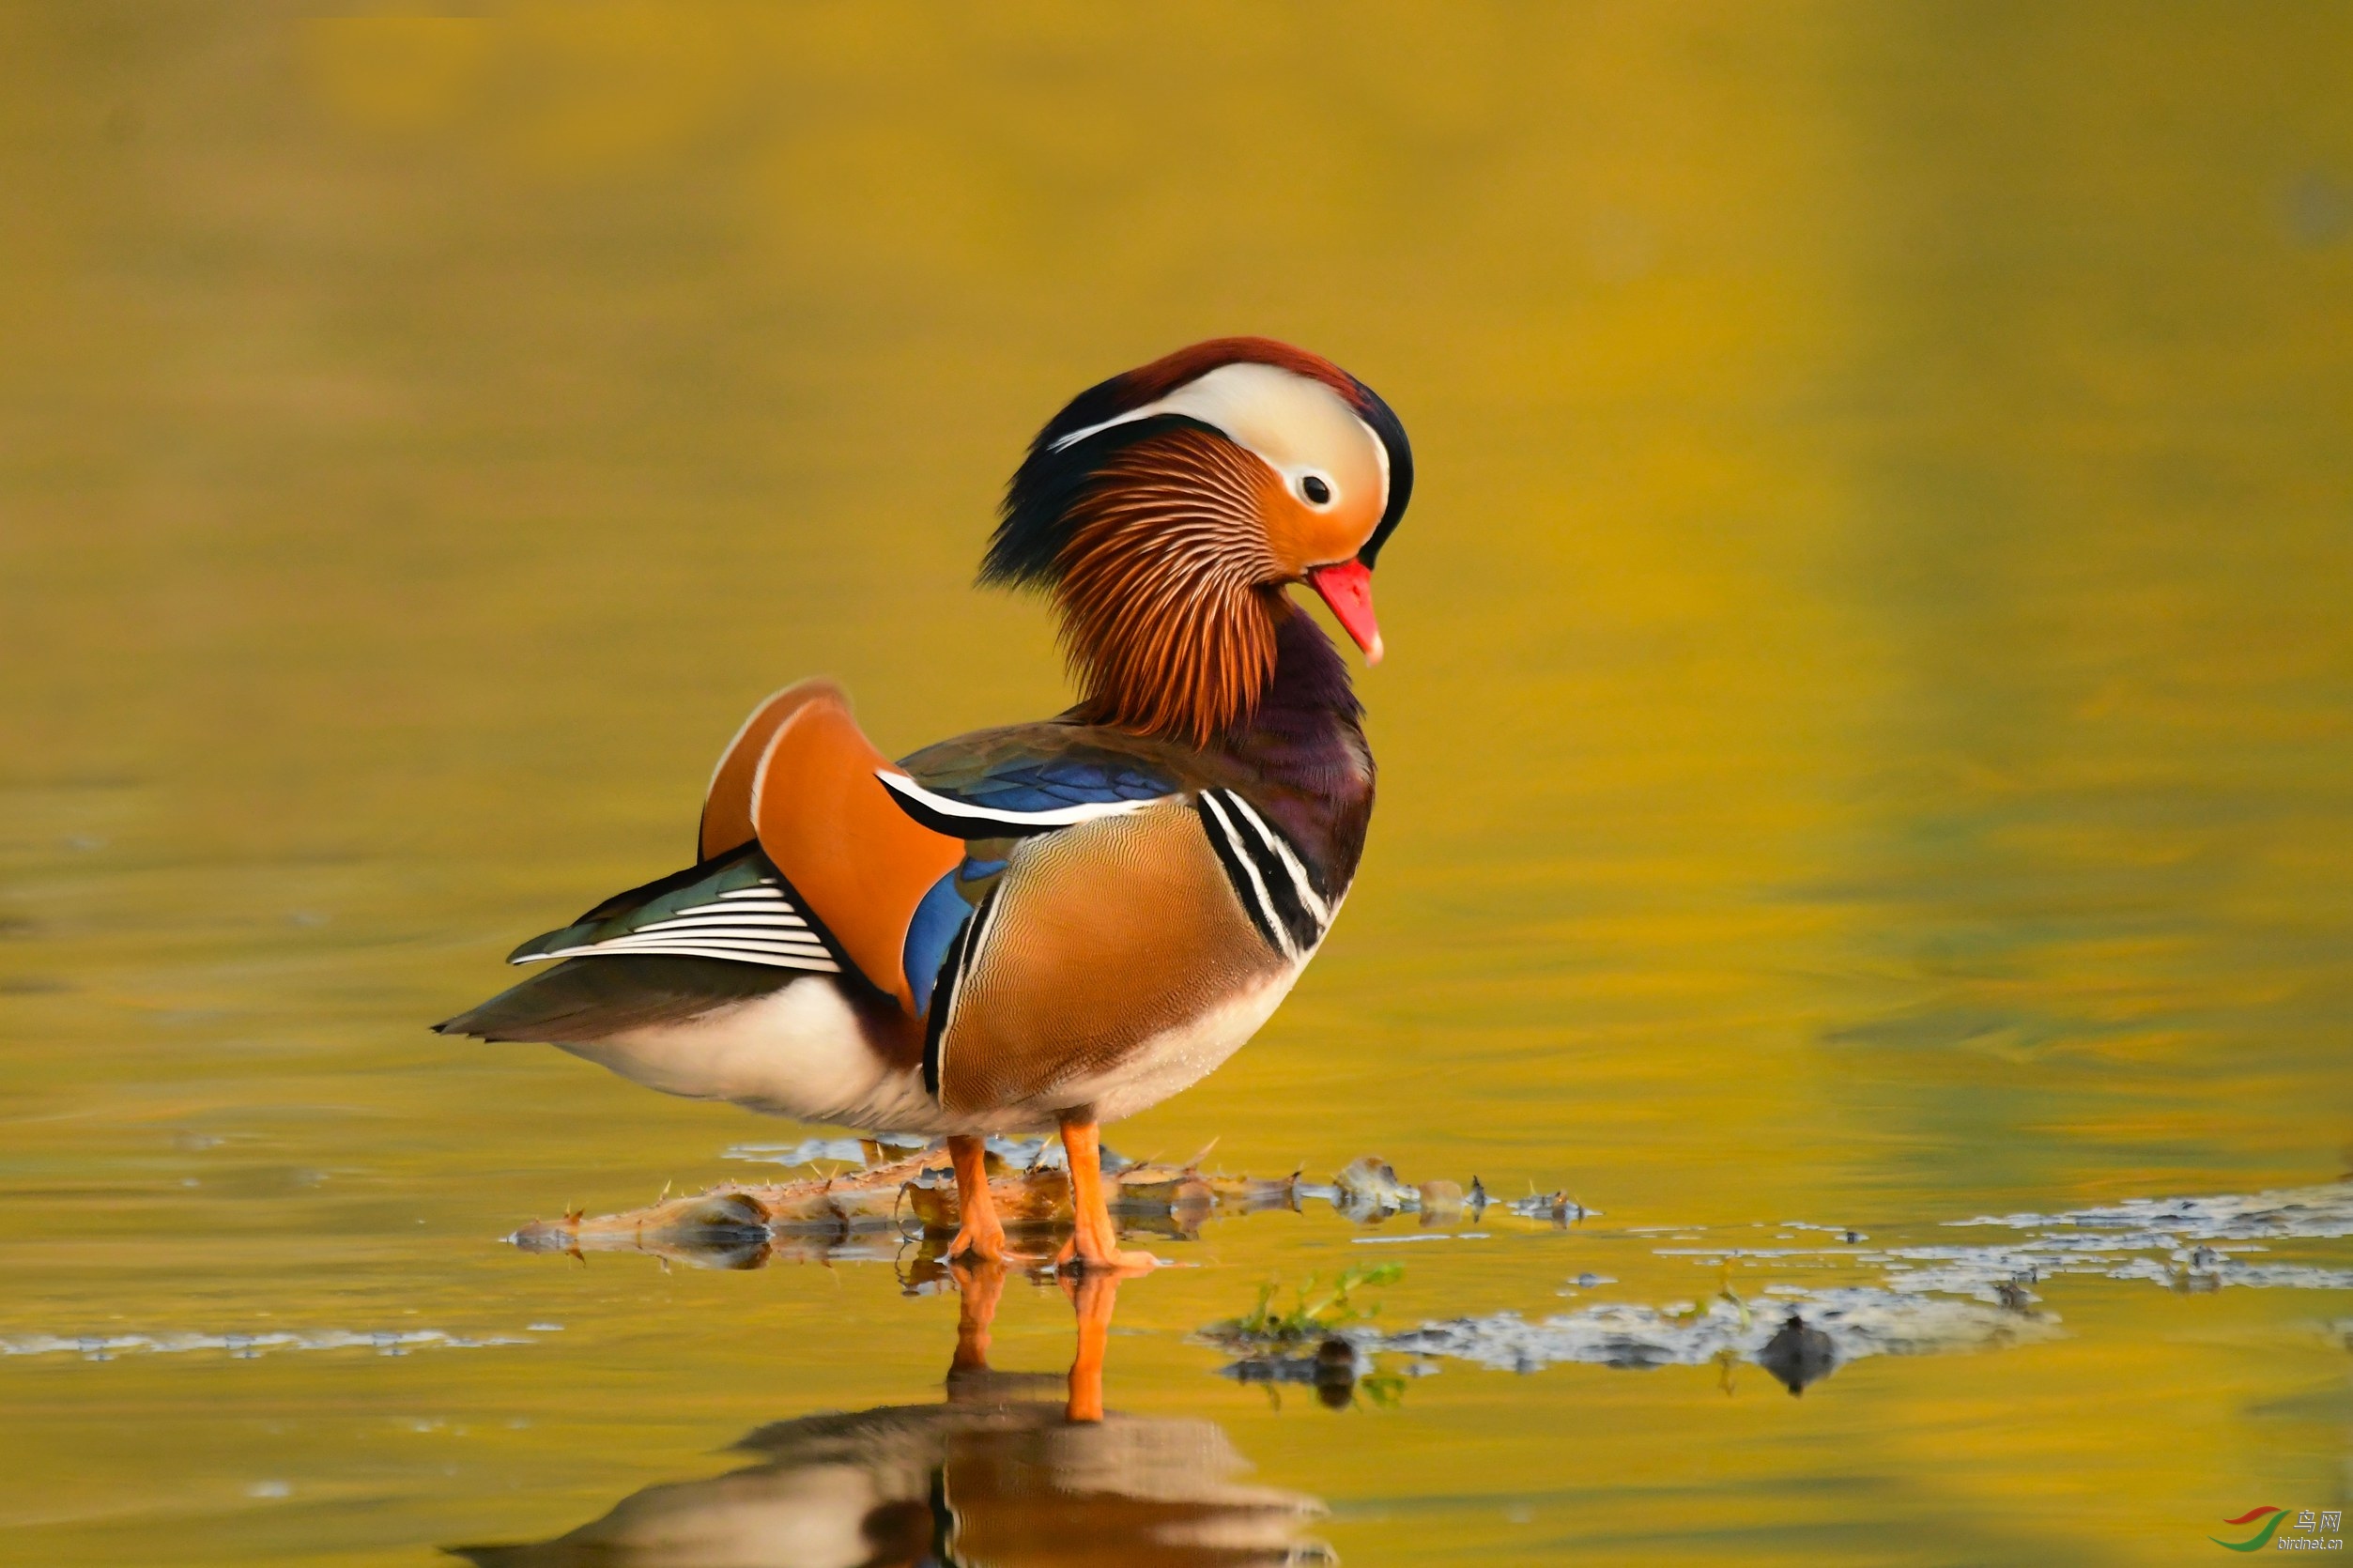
2272, 1519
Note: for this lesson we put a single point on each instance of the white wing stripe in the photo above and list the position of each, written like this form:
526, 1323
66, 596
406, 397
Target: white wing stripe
689, 950
1031, 821
709, 917
1257, 884
970, 961
748, 940
746, 924
1309, 898
706, 939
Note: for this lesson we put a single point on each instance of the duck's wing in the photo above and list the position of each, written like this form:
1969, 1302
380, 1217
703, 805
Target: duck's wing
736, 907
1028, 779
718, 933
991, 791
592, 999
1025, 779
727, 803
887, 861
824, 857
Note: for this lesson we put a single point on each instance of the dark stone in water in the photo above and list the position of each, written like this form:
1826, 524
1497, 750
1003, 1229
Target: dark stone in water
1799, 1354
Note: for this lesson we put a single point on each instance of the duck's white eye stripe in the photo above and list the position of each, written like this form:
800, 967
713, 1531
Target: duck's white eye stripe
1380, 456
1075, 436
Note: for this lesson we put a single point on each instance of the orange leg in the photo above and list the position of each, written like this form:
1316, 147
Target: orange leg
1094, 1295
978, 1231
978, 1285
1097, 1244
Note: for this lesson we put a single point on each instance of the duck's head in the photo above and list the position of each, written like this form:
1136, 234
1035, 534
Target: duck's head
1168, 508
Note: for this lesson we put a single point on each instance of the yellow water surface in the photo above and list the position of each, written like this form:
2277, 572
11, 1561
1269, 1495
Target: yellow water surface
1867, 739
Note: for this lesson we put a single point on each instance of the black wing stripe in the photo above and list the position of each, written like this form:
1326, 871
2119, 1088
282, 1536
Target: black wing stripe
1295, 901
1248, 886
1304, 876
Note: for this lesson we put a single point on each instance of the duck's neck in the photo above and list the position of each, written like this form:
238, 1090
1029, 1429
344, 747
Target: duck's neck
1304, 739
1164, 585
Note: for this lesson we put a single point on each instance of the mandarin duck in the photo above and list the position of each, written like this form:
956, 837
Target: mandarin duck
1053, 924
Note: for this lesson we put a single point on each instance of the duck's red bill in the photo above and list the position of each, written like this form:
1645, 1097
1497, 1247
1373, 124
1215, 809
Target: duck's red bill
1348, 588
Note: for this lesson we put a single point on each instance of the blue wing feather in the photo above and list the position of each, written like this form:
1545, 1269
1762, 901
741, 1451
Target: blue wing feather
1025, 786
1026, 779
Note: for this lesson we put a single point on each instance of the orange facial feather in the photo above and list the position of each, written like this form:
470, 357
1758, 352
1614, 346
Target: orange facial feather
1169, 589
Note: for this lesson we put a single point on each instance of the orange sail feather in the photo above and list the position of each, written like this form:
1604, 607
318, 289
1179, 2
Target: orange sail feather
861, 862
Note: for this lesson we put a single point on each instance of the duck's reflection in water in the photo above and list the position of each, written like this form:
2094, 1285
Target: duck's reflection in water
998, 1474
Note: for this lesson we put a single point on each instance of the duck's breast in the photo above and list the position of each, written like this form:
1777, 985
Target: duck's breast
1113, 965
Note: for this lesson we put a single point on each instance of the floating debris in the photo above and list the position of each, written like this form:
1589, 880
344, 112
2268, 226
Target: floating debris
1931, 1299
870, 1208
810, 1151
1441, 1202
1559, 1208
241, 1347
1854, 1323
2324, 1212
1368, 1185
1926, 1298
865, 1212
2188, 1245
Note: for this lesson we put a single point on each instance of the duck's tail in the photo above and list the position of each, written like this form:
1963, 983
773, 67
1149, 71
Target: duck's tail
590, 999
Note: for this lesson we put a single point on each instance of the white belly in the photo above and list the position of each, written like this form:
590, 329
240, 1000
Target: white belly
797, 1051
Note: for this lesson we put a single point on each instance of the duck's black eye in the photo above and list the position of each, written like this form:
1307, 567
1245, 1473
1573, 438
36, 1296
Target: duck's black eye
1315, 489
